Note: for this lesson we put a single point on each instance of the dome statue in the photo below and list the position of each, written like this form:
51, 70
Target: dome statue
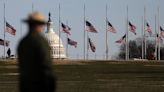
57, 48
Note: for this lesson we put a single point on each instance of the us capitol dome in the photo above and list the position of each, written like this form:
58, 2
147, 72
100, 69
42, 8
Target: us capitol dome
57, 48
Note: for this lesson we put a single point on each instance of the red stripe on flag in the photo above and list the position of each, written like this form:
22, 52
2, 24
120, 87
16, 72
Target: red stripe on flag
90, 27
132, 28
148, 29
66, 28
110, 28
10, 29
4, 43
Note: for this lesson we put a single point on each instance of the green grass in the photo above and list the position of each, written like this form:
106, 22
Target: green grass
97, 76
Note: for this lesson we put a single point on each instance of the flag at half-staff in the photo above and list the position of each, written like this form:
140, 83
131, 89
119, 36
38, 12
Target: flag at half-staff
65, 28
162, 31
132, 28
110, 27
122, 40
148, 28
159, 39
4, 43
91, 45
71, 42
90, 27
10, 29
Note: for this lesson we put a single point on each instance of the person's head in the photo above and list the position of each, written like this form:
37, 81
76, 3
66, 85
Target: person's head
36, 22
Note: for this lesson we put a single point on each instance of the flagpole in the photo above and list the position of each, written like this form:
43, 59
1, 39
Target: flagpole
87, 57
87, 46
106, 33
127, 42
145, 40
4, 30
84, 33
20, 29
32, 7
59, 29
95, 56
142, 31
67, 41
156, 57
159, 43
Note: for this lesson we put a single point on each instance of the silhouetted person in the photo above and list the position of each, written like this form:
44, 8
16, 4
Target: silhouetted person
35, 64
9, 52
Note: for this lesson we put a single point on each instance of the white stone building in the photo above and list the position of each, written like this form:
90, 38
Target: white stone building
57, 48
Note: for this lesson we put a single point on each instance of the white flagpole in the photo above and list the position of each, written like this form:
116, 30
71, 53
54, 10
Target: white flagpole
59, 30
87, 57
84, 33
20, 29
107, 49
142, 31
156, 42
145, 40
4, 30
87, 47
67, 41
127, 39
159, 43
32, 7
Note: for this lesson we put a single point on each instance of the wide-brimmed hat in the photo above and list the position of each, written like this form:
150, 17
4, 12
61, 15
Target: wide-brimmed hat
35, 18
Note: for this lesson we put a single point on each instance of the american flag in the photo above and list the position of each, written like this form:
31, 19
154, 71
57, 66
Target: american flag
10, 29
71, 42
110, 28
159, 39
122, 40
162, 31
4, 43
65, 28
92, 46
90, 27
148, 28
132, 28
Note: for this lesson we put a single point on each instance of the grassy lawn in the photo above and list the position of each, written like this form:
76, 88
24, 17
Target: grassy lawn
97, 76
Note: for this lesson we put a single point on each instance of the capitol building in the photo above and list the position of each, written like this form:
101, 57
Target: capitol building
57, 48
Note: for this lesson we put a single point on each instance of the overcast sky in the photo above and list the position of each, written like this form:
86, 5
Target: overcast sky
72, 11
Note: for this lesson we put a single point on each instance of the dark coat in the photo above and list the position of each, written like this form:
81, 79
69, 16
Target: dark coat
35, 65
